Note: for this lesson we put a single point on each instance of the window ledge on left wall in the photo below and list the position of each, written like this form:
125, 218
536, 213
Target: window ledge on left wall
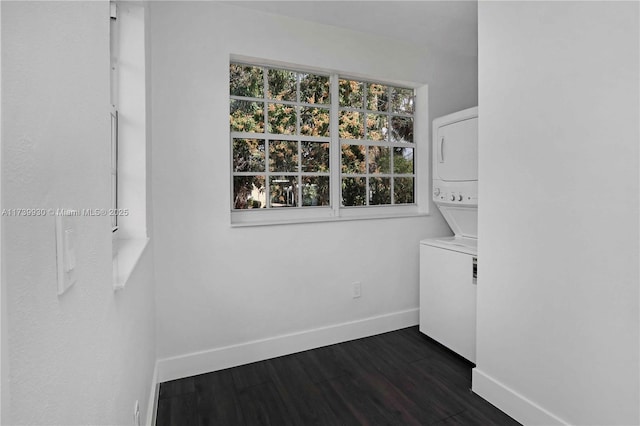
127, 255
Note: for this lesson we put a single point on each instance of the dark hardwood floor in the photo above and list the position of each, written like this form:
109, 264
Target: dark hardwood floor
396, 378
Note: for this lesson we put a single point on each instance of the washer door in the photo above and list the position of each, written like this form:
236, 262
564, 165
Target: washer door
462, 220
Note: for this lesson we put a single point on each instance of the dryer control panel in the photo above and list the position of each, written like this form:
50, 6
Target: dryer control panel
454, 197
461, 193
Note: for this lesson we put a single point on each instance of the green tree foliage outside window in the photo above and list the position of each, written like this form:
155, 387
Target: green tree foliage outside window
280, 123
380, 173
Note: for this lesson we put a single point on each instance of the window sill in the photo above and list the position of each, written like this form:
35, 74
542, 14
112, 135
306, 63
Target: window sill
329, 219
127, 253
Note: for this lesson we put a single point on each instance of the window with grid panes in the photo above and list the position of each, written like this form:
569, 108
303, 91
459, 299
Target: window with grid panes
280, 127
286, 126
376, 142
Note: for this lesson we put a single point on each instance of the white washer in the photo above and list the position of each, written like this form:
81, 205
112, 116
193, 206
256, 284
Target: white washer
460, 244
448, 274
448, 265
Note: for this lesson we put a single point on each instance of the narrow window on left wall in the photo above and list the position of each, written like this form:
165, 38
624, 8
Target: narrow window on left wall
113, 51
129, 141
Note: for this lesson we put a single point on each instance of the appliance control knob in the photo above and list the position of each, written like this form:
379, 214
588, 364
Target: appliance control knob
460, 197
453, 197
436, 191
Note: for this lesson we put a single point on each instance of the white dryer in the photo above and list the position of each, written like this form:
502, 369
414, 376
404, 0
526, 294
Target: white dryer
448, 265
455, 170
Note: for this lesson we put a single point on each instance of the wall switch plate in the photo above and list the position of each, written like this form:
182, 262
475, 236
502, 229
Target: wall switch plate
65, 252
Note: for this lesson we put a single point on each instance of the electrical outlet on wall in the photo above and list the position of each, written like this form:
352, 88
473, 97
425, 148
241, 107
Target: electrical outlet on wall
357, 289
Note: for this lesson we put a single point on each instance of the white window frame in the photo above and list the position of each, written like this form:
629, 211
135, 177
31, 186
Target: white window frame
336, 212
114, 170
370, 142
114, 44
129, 107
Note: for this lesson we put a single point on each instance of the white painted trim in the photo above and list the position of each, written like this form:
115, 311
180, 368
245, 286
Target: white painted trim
4, 329
258, 350
372, 216
506, 399
152, 405
128, 253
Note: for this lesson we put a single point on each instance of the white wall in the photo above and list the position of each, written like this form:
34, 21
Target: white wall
86, 356
557, 338
220, 286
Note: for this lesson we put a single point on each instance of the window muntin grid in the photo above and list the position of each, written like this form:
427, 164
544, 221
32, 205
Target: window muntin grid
281, 125
377, 144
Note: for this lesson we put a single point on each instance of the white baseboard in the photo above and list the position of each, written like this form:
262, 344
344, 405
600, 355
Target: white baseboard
152, 405
258, 350
511, 402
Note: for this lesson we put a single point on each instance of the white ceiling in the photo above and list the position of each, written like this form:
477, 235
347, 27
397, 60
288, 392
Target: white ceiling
450, 25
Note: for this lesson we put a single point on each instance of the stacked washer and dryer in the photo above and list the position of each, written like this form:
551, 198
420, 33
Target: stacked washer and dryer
448, 265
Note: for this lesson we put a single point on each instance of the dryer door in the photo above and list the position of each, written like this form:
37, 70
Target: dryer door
456, 151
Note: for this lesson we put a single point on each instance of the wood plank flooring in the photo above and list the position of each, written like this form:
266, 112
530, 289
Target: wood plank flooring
396, 378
